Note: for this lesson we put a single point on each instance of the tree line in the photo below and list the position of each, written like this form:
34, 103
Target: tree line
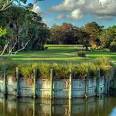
90, 35
23, 29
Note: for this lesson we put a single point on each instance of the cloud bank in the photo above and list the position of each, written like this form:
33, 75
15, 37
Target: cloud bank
77, 9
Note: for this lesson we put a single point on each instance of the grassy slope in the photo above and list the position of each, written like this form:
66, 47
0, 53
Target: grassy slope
61, 54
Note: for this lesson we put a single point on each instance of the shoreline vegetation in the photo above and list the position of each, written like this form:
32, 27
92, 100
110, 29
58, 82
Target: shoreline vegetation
83, 70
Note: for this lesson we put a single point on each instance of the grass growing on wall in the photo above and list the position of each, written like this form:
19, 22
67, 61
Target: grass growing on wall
104, 65
43, 71
62, 71
85, 70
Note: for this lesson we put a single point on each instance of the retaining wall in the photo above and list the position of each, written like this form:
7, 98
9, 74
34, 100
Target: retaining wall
53, 88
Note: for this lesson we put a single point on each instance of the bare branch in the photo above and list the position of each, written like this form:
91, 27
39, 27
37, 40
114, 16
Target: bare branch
22, 47
10, 51
5, 47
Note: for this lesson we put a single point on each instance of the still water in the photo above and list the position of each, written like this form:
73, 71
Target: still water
103, 106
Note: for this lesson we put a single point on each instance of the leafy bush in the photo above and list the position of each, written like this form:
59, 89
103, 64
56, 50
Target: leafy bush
113, 46
81, 53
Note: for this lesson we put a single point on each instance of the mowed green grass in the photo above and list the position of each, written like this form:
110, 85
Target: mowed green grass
61, 54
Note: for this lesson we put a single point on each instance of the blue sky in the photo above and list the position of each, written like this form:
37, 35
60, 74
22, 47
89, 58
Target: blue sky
78, 12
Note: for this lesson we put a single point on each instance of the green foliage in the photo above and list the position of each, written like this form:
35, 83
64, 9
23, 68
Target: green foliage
43, 71
81, 53
93, 28
113, 46
85, 70
68, 34
104, 65
107, 36
92, 70
5, 4
25, 27
61, 71
10, 68
2, 31
80, 71
26, 70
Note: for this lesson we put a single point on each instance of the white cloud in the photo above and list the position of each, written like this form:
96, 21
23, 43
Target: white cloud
76, 14
68, 5
79, 8
36, 8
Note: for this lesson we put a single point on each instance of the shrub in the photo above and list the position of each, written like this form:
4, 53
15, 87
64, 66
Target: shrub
92, 70
61, 71
104, 65
81, 53
113, 46
85, 70
26, 70
10, 68
80, 71
44, 71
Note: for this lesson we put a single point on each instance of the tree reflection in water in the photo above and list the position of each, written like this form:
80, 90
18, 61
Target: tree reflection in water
58, 107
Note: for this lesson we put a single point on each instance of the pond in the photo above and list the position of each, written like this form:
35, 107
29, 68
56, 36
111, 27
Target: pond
103, 106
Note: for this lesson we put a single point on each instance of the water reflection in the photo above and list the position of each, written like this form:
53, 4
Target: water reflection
60, 107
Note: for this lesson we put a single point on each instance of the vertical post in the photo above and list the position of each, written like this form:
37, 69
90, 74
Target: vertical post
70, 93
85, 107
70, 85
4, 107
34, 82
5, 82
34, 107
17, 77
85, 88
51, 83
107, 84
17, 107
51, 90
51, 109
98, 85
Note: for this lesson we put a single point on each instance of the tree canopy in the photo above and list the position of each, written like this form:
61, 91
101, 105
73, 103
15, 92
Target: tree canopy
5, 4
25, 29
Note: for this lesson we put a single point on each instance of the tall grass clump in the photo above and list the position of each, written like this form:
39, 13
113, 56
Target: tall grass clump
104, 65
43, 71
85, 70
26, 70
10, 69
61, 71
